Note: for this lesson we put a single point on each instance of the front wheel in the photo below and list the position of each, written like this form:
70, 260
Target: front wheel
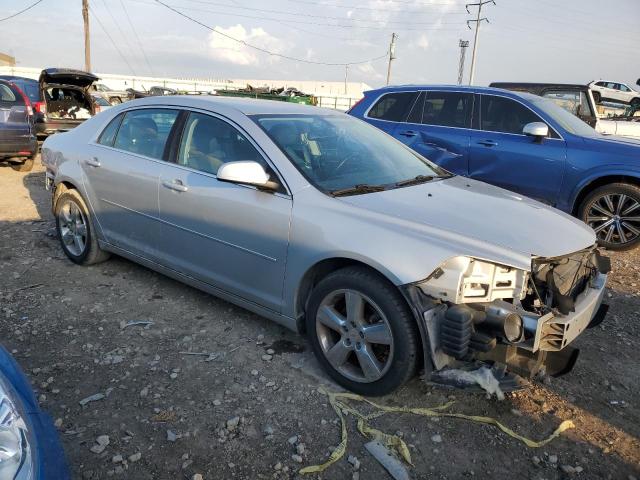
362, 331
75, 230
635, 103
613, 211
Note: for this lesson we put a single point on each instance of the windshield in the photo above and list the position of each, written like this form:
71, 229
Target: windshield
566, 120
336, 152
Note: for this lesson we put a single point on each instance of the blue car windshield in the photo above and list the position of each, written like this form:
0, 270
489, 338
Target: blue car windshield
336, 152
566, 120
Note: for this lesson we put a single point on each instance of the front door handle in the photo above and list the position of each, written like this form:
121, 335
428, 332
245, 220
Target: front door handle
488, 143
408, 133
176, 185
93, 162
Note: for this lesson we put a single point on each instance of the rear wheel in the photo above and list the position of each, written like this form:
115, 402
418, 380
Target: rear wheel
635, 102
115, 101
362, 331
613, 211
596, 96
75, 230
25, 166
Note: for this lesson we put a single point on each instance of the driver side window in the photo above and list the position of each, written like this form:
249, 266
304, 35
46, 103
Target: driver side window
207, 142
504, 115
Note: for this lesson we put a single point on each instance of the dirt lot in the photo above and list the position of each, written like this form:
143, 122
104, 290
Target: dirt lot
64, 324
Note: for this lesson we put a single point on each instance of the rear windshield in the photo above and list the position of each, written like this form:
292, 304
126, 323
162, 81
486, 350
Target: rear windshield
30, 89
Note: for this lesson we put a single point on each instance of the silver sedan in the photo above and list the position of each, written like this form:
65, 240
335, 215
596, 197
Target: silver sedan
329, 227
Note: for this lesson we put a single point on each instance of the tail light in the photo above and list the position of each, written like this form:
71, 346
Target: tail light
27, 102
40, 107
97, 108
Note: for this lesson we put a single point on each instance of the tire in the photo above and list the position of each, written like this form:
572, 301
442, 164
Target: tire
613, 211
393, 363
635, 102
115, 101
25, 166
596, 96
73, 221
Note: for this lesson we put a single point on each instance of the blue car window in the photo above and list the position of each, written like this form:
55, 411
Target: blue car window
393, 107
501, 114
448, 109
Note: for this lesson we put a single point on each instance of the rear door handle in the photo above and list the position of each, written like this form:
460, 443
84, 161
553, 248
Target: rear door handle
93, 162
408, 133
488, 143
176, 185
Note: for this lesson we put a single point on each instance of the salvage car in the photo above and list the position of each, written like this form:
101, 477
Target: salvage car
18, 142
615, 92
29, 443
521, 142
328, 226
578, 100
114, 97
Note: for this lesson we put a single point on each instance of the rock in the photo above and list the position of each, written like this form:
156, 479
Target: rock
300, 448
173, 375
277, 466
171, 436
567, 469
355, 463
197, 476
135, 457
98, 449
91, 398
296, 458
267, 430
391, 464
270, 351
254, 373
553, 459
267, 357
436, 439
578, 469
293, 440
144, 392
116, 459
536, 460
232, 423
103, 440
217, 402
58, 423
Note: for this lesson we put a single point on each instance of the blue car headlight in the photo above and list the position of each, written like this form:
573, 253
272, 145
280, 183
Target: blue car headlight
16, 459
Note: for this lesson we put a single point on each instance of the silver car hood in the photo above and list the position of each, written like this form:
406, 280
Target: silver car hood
479, 211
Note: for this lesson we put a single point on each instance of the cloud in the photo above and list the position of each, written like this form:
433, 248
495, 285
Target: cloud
421, 42
227, 50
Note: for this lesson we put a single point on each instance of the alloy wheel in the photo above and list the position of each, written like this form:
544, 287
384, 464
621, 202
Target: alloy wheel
354, 335
73, 228
615, 217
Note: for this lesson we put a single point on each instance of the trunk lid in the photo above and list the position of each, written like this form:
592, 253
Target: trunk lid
67, 76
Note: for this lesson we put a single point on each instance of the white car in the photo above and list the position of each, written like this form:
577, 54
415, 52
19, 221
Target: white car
614, 92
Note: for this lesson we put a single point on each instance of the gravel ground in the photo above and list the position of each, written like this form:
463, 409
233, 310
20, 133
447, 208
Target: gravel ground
229, 413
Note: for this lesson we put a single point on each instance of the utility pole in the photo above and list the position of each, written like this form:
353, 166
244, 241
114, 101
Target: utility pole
463, 44
346, 73
478, 20
87, 39
392, 55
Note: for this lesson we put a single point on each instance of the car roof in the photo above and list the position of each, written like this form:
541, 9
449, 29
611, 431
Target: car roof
246, 106
453, 88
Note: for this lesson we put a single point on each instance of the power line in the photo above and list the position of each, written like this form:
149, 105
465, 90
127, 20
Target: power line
477, 21
358, 7
111, 39
435, 26
135, 33
264, 50
21, 11
124, 37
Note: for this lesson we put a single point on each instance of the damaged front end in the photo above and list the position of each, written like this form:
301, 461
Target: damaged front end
475, 311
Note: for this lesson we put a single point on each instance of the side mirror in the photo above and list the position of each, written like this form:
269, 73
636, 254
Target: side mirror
246, 172
539, 130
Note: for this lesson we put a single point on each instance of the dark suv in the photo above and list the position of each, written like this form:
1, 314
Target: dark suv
17, 134
61, 98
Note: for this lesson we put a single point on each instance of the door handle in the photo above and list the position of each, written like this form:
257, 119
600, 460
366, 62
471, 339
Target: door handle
488, 143
408, 133
175, 185
93, 162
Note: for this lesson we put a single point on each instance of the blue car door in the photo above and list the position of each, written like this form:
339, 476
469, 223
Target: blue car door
502, 155
438, 127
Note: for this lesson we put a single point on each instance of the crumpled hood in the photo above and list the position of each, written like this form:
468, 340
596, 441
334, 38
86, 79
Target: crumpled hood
486, 213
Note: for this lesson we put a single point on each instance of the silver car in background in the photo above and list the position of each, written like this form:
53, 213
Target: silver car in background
332, 228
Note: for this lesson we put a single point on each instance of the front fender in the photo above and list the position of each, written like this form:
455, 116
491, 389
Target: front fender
595, 174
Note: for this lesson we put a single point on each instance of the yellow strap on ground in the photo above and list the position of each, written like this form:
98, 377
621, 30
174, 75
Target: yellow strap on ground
339, 402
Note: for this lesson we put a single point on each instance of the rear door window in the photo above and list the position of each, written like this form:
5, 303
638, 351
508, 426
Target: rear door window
394, 107
146, 131
448, 109
7, 95
504, 115
108, 135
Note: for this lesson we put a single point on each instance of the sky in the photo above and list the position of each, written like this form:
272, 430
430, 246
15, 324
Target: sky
525, 40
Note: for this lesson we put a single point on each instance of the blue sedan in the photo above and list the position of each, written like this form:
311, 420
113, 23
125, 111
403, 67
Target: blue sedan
521, 142
29, 445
